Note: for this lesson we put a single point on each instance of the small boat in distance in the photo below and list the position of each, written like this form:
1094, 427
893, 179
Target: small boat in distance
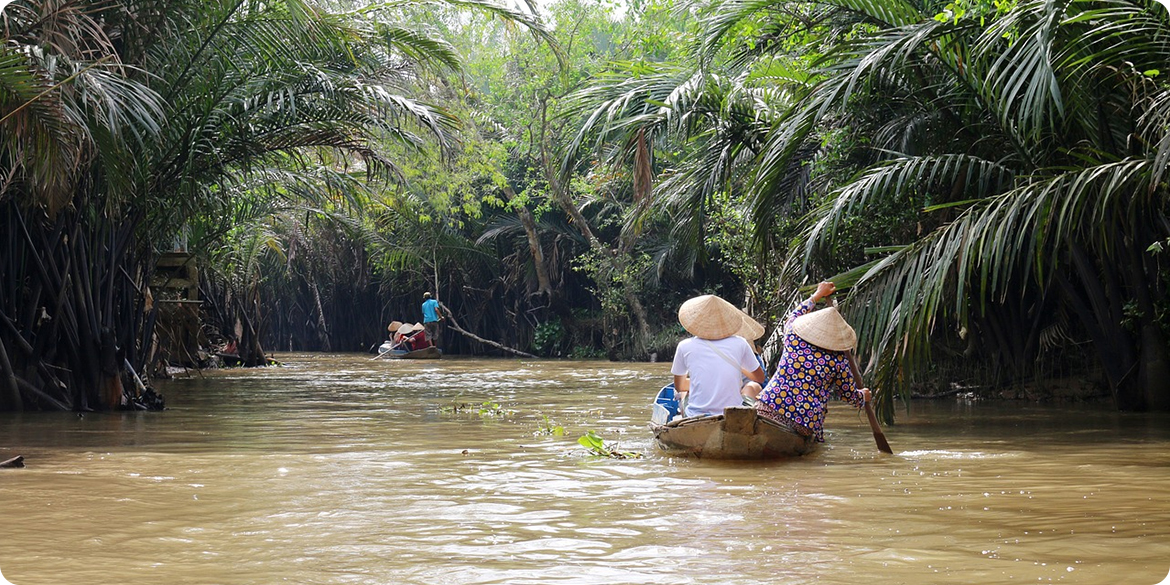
738, 433
426, 353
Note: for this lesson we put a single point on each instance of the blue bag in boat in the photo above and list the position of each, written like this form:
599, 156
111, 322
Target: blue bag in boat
665, 405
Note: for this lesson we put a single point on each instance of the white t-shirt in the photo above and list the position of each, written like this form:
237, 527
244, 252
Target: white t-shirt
715, 381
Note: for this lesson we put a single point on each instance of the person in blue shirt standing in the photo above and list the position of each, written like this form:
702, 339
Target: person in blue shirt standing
432, 315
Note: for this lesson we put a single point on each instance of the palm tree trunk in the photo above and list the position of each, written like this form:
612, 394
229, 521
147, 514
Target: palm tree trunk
640, 316
542, 280
560, 195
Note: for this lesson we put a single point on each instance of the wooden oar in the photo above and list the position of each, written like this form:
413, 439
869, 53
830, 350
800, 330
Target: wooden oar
878, 436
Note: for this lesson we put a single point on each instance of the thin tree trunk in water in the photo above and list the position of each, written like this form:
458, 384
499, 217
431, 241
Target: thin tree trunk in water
322, 331
88, 381
251, 353
455, 325
11, 390
109, 367
71, 314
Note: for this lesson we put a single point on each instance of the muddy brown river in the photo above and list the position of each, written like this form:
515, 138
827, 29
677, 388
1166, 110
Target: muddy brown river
336, 469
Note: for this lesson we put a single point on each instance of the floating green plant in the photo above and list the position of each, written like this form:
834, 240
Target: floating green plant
488, 408
549, 428
597, 446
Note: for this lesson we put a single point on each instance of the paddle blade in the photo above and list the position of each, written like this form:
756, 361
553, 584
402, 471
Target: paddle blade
882, 444
878, 436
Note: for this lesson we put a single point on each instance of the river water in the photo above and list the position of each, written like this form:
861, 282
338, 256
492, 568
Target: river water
336, 469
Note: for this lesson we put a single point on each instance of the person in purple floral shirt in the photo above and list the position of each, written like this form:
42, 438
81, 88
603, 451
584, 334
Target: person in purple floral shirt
813, 367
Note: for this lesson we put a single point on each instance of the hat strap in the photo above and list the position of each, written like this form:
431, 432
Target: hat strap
726, 357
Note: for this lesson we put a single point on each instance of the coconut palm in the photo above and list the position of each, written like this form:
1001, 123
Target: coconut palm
1013, 158
72, 116
151, 114
696, 133
1034, 142
66, 97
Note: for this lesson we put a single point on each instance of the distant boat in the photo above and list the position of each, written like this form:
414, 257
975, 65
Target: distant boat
426, 353
738, 433
230, 360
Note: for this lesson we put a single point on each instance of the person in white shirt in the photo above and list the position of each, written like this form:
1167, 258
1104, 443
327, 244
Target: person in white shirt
710, 367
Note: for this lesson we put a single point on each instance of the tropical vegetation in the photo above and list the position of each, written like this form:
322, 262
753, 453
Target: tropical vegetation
986, 179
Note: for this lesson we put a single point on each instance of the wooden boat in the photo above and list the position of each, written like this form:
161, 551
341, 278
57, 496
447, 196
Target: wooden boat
426, 353
738, 433
230, 359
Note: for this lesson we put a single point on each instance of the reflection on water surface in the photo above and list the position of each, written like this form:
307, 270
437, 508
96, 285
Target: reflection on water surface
337, 469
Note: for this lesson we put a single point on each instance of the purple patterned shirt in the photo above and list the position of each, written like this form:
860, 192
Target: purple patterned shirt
805, 379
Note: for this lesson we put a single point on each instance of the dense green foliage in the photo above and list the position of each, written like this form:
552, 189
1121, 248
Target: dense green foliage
126, 125
1002, 165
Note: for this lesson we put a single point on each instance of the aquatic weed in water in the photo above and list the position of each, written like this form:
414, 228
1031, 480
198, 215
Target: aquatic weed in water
549, 429
486, 409
597, 447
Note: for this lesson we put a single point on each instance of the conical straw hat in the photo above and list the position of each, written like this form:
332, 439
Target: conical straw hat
417, 327
405, 328
751, 330
710, 317
825, 328
393, 326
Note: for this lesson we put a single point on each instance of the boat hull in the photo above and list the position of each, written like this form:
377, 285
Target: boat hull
738, 433
426, 353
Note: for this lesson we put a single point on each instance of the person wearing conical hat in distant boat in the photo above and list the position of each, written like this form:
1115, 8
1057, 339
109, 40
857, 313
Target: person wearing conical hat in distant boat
402, 337
814, 366
715, 359
418, 337
395, 338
